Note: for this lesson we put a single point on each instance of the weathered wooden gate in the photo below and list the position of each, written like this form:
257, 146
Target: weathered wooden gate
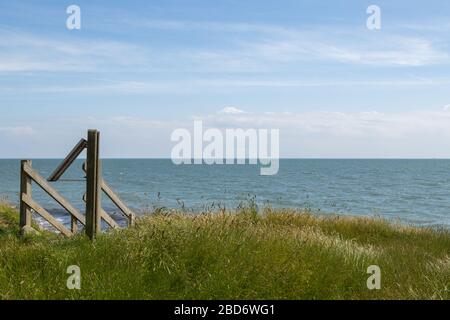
95, 186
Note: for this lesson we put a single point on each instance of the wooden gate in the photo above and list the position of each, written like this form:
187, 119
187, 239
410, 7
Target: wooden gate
95, 186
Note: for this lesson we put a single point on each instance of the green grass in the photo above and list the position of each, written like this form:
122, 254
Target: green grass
276, 254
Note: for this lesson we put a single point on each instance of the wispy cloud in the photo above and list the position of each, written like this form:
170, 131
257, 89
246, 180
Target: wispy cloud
249, 47
303, 134
198, 85
21, 52
278, 43
231, 110
208, 26
350, 134
378, 124
381, 51
17, 131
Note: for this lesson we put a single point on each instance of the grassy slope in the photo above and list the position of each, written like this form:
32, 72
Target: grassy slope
275, 255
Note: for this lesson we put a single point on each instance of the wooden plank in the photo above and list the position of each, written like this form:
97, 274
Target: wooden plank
109, 220
130, 215
53, 193
116, 200
93, 185
47, 216
25, 188
67, 162
106, 217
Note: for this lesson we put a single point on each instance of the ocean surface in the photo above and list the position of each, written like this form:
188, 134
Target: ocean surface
412, 191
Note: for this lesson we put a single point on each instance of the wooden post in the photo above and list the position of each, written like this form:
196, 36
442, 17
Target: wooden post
73, 224
25, 188
93, 185
132, 220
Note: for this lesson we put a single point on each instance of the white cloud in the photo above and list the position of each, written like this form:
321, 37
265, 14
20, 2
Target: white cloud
304, 134
208, 26
231, 110
96, 86
386, 50
17, 131
268, 47
20, 52
350, 134
387, 125
283, 44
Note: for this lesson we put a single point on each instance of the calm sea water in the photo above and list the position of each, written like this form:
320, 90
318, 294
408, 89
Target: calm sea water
414, 191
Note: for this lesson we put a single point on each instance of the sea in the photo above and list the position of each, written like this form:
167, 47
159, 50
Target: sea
415, 192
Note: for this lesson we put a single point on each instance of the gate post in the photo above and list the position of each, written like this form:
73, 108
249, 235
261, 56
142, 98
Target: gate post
25, 188
93, 185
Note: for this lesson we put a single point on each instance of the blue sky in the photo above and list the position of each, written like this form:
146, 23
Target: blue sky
137, 70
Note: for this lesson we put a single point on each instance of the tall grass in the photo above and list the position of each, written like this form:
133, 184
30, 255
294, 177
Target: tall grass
273, 254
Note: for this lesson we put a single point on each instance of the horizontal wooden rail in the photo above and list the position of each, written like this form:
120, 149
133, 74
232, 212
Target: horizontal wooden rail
53, 193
